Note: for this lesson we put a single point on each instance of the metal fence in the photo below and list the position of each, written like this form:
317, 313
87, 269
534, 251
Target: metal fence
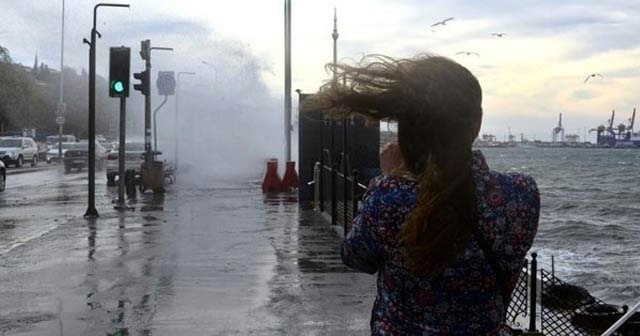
338, 194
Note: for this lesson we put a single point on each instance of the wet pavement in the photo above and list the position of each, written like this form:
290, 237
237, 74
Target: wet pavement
221, 260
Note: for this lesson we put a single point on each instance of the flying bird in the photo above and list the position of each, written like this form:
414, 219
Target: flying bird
593, 75
468, 53
499, 34
442, 23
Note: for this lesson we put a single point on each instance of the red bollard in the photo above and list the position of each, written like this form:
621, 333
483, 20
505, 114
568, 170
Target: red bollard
272, 182
290, 179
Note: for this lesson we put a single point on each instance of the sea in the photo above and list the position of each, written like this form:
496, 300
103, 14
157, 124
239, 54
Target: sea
590, 215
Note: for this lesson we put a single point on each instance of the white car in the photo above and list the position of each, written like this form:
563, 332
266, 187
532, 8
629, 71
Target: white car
17, 150
133, 159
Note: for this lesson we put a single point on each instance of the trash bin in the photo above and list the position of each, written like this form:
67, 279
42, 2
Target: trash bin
153, 179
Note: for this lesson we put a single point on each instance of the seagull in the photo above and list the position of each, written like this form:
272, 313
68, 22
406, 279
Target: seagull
468, 53
498, 34
442, 23
592, 75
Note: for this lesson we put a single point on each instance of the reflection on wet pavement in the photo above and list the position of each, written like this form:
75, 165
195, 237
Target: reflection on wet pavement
196, 261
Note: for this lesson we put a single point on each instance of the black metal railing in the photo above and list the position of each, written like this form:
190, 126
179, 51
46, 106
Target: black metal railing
340, 195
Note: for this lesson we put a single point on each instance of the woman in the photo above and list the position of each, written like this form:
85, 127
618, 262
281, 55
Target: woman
446, 235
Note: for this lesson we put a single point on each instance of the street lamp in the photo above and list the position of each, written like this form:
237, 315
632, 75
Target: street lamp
215, 70
176, 122
91, 209
61, 107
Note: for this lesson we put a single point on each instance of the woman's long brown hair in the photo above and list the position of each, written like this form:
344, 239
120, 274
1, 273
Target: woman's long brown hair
437, 105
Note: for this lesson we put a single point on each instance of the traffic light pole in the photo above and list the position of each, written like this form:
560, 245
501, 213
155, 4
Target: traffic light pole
92, 212
148, 154
121, 149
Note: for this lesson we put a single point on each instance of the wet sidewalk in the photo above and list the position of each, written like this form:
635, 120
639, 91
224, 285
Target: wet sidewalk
218, 261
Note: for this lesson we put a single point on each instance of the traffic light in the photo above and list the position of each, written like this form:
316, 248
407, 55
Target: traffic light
143, 86
119, 61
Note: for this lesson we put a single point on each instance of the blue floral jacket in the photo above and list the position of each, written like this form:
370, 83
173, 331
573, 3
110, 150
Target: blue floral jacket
466, 299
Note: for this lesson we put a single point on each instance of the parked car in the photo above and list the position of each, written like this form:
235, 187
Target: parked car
77, 156
3, 176
133, 159
52, 154
17, 150
53, 139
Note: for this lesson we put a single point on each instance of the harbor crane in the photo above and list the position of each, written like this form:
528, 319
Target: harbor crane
622, 135
558, 130
631, 122
610, 121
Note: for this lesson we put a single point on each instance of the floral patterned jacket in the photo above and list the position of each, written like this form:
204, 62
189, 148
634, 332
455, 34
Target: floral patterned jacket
466, 299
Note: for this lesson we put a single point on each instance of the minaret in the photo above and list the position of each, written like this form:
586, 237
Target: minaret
335, 35
35, 65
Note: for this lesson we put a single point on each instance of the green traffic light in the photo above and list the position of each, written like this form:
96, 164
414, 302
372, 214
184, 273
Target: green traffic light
118, 86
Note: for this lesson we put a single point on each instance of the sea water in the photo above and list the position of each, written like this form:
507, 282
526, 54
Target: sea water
589, 217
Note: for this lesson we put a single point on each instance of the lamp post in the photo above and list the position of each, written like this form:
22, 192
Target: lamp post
215, 70
176, 122
91, 209
61, 107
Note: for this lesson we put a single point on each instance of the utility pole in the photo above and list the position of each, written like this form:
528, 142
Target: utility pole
91, 209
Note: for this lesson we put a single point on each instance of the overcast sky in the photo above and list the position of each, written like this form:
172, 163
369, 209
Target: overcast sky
529, 76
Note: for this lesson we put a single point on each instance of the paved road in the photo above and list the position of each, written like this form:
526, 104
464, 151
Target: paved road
198, 261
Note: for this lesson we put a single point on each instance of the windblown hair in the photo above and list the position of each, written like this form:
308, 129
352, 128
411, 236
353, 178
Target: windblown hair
437, 105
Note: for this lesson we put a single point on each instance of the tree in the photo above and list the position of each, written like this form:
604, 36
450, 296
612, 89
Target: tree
29, 100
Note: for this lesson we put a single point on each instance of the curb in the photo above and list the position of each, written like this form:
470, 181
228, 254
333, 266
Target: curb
16, 171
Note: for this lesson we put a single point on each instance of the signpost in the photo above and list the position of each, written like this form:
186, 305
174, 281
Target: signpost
166, 83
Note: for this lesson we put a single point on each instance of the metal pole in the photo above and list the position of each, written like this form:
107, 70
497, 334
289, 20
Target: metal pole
155, 129
91, 209
334, 203
322, 180
345, 167
148, 157
61, 106
534, 289
316, 186
354, 199
175, 122
622, 320
121, 149
287, 79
